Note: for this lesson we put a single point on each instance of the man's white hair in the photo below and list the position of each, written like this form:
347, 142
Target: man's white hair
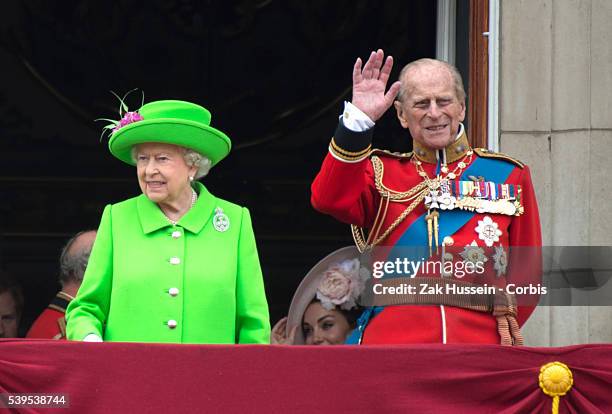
457, 81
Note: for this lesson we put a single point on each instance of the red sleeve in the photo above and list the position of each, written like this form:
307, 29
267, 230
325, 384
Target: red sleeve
344, 188
525, 265
45, 326
346, 191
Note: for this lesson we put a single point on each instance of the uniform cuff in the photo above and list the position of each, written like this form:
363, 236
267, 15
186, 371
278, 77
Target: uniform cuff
350, 145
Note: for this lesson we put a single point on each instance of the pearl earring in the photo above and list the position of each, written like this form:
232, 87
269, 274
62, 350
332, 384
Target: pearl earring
191, 179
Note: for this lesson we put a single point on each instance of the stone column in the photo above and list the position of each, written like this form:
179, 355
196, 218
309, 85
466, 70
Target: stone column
556, 116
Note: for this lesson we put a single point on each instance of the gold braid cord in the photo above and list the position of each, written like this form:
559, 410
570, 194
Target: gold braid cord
416, 194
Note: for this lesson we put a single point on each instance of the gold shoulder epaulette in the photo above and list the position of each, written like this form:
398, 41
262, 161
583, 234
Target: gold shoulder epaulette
379, 152
485, 153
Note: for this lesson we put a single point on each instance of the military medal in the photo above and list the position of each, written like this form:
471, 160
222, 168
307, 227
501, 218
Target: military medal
431, 200
446, 200
485, 207
474, 254
439, 196
509, 208
500, 259
483, 197
221, 222
488, 231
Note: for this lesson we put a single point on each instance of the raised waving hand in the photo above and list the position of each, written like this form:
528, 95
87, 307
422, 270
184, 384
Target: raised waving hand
370, 83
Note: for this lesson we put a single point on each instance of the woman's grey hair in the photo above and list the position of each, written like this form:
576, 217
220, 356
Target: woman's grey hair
457, 81
192, 158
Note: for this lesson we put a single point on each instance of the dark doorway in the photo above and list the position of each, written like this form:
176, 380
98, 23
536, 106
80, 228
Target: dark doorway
273, 73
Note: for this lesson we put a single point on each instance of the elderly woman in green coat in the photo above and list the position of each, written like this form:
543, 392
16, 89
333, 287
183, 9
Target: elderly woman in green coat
175, 264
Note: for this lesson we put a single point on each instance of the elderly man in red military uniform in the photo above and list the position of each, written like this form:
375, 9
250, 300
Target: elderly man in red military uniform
51, 323
456, 202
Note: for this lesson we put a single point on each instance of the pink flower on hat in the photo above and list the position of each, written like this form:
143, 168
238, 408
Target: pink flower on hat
128, 118
335, 286
342, 284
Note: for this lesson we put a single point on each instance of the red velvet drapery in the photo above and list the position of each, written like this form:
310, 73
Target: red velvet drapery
122, 377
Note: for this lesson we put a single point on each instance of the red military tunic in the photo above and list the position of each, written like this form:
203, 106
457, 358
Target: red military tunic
51, 323
346, 189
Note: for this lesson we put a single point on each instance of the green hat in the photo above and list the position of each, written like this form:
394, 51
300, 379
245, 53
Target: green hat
169, 122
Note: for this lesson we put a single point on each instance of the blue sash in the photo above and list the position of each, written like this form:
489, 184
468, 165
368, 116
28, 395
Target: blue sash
412, 245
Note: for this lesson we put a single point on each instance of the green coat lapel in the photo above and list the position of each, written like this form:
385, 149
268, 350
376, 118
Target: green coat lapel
152, 218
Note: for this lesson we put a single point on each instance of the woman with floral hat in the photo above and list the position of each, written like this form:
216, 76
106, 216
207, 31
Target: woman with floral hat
324, 308
175, 264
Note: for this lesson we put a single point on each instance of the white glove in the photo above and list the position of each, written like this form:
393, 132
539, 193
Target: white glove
92, 338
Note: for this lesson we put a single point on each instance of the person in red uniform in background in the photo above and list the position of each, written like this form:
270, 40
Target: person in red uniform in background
51, 324
472, 204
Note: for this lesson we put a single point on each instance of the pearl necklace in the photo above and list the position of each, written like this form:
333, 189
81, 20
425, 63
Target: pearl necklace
194, 197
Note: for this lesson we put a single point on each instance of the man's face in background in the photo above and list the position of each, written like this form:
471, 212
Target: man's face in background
9, 319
